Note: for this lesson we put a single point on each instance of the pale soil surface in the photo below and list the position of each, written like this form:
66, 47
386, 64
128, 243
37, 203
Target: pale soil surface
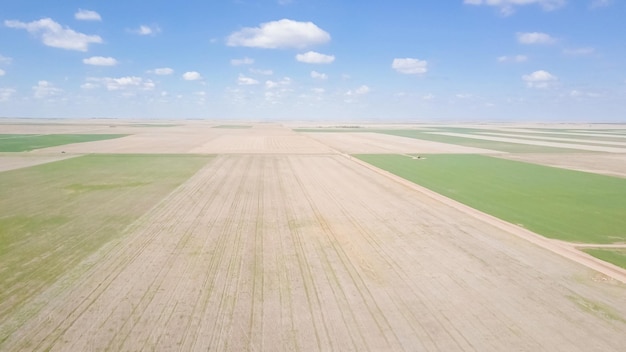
282, 243
377, 143
607, 164
322, 253
11, 161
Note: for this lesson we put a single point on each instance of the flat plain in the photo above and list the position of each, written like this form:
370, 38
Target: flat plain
266, 238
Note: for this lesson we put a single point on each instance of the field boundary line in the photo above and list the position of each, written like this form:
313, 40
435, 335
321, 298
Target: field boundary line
561, 248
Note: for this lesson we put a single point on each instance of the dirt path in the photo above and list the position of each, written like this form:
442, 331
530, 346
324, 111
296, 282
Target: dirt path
319, 252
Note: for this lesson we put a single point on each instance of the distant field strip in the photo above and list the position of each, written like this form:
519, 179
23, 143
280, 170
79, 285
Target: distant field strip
463, 139
26, 142
543, 143
54, 215
557, 203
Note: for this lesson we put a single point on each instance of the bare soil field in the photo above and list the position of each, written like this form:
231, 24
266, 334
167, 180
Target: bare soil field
11, 161
281, 242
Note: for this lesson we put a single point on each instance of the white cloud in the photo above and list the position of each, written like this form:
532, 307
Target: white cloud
579, 51
87, 15
244, 61
410, 66
269, 84
539, 79
45, 89
600, 3
120, 83
54, 35
262, 72
507, 7
313, 57
191, 76
359, 91
318, 75
6, 93
428, 96
318, 90
2, 72
5, 60
246, 81
284, 33
146, 30
163, 71
534, 38
514, 58
100, 61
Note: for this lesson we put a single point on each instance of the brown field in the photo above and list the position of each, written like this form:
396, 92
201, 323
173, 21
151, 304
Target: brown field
284, 243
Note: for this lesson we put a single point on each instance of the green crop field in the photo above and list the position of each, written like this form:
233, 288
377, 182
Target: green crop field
26, 142
614, 256
557, 203
54, 215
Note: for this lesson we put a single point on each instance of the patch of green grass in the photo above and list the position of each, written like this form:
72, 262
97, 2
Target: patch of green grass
234, 127
596, 308
53, 216
557, 203
26, 142
613, 256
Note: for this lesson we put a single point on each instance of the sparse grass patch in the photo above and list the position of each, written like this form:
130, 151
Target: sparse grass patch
557, 203
26, 142
52, 216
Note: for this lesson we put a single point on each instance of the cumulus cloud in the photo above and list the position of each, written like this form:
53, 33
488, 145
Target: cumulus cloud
244, 61
163, 71
54, 35
146, 30
192, 76
318, 90
45, 89
362, 90
507, 7
246, 81
318, 75
410, 66
2, 72
5, 60
534, 38
539, 79
100, 61
119, 83
6, 93
262, 72
313, 57
87, 15
269, 84
284, 33
514, 58
600, 3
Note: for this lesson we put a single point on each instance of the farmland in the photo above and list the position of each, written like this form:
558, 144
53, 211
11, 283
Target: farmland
20, 143
192, 237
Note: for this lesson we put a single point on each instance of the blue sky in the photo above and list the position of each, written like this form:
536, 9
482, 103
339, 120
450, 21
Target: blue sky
456, 60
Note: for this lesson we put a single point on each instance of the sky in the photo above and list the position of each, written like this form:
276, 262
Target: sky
316, 60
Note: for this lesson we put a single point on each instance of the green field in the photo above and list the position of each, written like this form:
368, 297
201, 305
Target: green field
557, 203
52, 216
26, 142
614, 256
